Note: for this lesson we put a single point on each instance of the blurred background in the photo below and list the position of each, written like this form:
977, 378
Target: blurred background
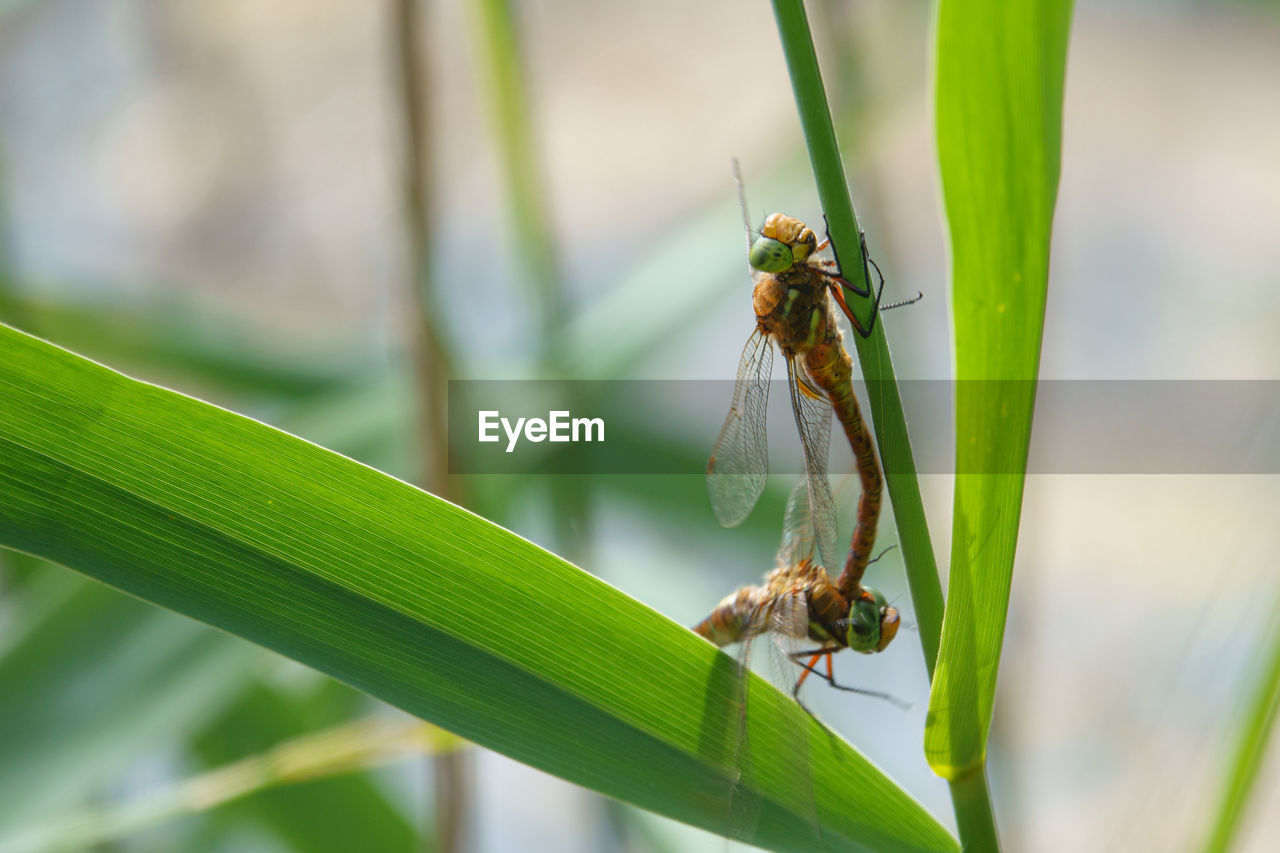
213, 197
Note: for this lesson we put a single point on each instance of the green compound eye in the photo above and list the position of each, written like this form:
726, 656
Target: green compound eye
865, 623
770, 255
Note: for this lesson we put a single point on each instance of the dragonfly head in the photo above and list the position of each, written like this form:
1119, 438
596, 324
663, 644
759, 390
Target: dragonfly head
784, 241
872, 623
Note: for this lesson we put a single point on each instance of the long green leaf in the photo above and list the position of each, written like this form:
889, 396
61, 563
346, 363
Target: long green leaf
999, 105
416, 602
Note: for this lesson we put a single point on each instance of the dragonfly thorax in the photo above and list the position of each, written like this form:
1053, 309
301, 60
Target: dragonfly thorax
793, 309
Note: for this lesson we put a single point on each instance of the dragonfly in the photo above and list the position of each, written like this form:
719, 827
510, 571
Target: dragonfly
795, 297
799, 600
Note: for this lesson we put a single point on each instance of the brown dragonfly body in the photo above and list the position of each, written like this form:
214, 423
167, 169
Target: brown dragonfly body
795, 299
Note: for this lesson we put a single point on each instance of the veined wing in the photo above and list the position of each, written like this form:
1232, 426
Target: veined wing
740, 460
813, 419
790, 616
797, 528
789, 633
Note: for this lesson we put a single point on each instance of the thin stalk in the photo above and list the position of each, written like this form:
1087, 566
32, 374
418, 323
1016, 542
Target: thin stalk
431, 358
1254, 733
873, 353
971, 798
498, 44
497, 38
431, 361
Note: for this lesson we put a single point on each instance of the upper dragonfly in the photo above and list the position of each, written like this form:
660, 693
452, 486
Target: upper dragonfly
795, 297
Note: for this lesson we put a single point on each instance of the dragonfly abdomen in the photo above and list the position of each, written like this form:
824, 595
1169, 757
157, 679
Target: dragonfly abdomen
735, 618
831, 369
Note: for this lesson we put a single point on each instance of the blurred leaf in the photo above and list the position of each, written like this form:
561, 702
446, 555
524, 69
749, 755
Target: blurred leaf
88, 679
999, 110
1257, 718
347, 812
336, 751
153, 335
414, 601
497, 41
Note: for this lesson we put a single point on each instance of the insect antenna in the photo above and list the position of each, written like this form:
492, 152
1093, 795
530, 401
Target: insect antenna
742, 201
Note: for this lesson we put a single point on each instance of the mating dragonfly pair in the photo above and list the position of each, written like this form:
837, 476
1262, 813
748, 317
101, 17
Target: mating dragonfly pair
795, 297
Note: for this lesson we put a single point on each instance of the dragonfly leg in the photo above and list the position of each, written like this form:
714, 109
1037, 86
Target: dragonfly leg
814, 655
838, 283
807, 667
882, 553
839, 268
807, 710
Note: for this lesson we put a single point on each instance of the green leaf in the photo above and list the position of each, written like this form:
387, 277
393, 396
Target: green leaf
1257, 716
999, 106
416, 602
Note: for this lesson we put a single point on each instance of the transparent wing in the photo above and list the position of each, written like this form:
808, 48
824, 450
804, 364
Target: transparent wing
742, 812
813, 419
740, 460
744, 805
790, 617
797, 528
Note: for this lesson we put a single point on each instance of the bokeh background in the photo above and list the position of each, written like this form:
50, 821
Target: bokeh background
211, 196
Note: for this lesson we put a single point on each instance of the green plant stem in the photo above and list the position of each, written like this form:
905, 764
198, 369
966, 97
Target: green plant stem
1255, 732
873, 353
971, 797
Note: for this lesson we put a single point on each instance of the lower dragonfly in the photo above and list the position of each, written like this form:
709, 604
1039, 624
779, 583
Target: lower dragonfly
798, 600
